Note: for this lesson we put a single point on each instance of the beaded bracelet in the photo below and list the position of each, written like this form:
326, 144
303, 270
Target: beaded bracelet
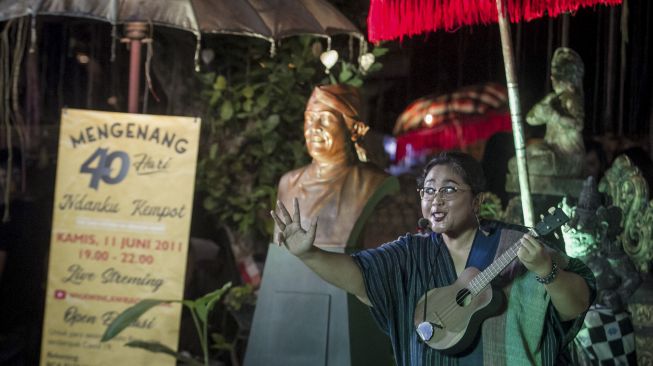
550, 277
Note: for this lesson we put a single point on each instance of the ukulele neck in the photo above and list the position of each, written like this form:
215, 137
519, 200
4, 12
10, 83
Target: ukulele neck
484, 278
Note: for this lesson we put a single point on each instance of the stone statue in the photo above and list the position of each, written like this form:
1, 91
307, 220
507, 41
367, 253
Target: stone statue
592, 235
562, 152
337, 185
629, 190
624, 182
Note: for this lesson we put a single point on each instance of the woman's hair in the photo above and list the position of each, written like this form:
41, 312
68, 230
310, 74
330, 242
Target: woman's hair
463, 164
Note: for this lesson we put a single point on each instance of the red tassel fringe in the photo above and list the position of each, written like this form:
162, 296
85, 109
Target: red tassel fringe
390, 19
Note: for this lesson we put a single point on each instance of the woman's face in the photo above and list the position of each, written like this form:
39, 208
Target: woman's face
325, 133
451, 209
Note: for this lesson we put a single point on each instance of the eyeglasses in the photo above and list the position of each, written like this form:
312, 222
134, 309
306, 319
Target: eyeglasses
447, 193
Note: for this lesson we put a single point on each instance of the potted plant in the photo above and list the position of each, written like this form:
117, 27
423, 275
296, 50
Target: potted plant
200, 309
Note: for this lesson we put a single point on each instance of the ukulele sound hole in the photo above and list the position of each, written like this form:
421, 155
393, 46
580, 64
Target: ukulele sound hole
463, 297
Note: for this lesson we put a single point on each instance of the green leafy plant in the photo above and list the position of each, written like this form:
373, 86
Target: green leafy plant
240, 302
239, 296
354, 75
252, 130
199, 309
491, 208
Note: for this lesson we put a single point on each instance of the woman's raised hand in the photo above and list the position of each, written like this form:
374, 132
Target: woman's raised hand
291, 234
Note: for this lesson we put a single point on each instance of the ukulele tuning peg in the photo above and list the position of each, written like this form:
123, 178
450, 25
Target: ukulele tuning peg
556, 235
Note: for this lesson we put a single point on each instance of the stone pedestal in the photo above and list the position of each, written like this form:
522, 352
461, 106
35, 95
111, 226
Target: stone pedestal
546, 192
301, 320
547, 185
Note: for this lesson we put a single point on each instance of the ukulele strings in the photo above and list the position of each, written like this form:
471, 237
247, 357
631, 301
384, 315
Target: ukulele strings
452, 306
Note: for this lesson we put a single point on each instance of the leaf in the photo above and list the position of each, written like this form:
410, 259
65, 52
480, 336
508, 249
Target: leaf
263, 101
357, 82
157, 347
247, 107
130, 315
375, 67
209, 203
379, 51
220, 83
345, 73
248, 92
271, 123
207, 78
306, 72
227, 110
205, 304
213, 152
189, 303
220, 342
216, 95
269, 146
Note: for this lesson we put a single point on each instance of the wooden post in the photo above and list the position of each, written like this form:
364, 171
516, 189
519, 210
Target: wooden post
134, 32
515, 115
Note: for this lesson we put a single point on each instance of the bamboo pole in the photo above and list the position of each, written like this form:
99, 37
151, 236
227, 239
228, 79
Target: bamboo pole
564, 39
515, 115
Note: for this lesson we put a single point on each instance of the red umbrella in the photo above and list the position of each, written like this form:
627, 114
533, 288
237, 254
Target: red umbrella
464, 118
390, 19
432, 110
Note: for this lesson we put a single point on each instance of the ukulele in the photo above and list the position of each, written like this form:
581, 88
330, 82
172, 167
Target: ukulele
453, 314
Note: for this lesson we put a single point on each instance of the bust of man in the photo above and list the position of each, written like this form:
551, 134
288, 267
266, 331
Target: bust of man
337, 185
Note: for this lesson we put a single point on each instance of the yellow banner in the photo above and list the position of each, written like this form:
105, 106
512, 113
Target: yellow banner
120, 232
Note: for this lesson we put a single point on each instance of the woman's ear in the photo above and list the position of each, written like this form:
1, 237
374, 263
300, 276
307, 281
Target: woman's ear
477, 202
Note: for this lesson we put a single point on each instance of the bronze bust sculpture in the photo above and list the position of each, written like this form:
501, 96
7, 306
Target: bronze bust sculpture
340, 189
337, 185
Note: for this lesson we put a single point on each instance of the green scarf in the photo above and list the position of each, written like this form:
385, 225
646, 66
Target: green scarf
514, 337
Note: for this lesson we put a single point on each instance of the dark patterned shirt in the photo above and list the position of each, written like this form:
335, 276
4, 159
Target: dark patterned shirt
399, 273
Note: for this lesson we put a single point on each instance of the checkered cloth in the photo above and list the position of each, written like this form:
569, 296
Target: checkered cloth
606, 338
